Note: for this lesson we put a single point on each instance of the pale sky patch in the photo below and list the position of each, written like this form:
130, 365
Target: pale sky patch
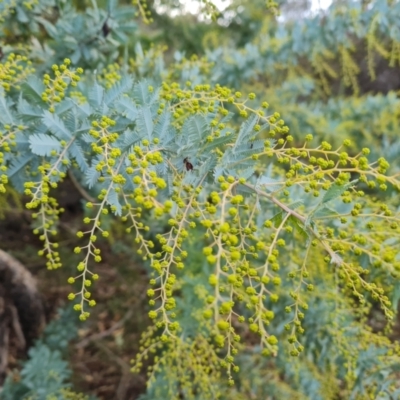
193, 6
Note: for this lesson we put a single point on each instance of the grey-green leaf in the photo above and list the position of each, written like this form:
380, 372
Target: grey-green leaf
42, 144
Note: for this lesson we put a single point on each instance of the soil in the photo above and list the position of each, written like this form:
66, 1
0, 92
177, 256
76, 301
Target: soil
100, 357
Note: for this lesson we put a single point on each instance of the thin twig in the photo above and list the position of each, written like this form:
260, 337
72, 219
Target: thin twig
335, 259
80, 189
17, 327
97, 336
122, 363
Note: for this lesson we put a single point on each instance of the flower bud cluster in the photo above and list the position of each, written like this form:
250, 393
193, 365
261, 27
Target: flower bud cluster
14, 71
143, 11
262, 250
56, 87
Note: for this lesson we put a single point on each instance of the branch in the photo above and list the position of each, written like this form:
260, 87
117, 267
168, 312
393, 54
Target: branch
335, 258
80, 189
83, 343
17, 327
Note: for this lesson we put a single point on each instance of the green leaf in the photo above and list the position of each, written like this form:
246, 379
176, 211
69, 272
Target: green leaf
48, 26
118, 89
163, 125
336, 190
63, 107
271, 184
112, 200
32, 89
18, 164
28, 112
295, 204
5, 113
331, 194
127, 107
56, 126
145, 122
130, 137
91, 174
298, 226
196, 127
76, 152
217, 142
42, 144
45, 370
325, 212
141, 93
96, 94
277, 219
246, 131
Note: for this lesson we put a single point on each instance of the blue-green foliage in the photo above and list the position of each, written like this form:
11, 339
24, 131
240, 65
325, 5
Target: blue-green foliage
62, 139
72, 33
46, 372
305, 44
62, 136
136, 120
304, 39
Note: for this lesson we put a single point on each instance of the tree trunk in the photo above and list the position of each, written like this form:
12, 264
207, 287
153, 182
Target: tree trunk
21, 309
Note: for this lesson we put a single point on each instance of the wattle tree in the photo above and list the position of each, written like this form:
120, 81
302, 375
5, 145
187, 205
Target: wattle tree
257, 181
